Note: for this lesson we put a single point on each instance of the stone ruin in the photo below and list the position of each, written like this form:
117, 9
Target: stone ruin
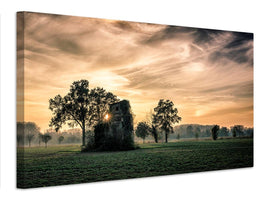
116, 132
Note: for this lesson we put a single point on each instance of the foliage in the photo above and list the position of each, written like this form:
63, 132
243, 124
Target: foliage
80, 107
26, 131
224, 131
74, 107
189, 131
45, 138
237, 130
214, 132
197, 132
165, 117
20, 132
142, 130
101, 99
60, 139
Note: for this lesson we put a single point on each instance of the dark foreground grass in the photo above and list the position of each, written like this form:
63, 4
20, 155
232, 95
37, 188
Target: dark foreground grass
38, 167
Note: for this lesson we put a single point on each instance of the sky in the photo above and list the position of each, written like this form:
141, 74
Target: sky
208, 74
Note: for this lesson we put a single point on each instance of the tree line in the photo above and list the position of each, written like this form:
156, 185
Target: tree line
28, 134
195, 131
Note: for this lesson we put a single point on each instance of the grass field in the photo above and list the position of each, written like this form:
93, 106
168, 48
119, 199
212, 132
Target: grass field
60, 165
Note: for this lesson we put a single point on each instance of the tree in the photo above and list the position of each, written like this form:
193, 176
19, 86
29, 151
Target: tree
101, 99
80, 107
165, 117
31, 129
60, 139
249, 132
142, 130
237, 130
153, 129
154, 133
45, 138
197, 132
74, 108
189, 131
20, 132
214, 132
40, 138
224, 131
29, 138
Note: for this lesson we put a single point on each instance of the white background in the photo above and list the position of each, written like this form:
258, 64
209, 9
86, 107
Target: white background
236, 15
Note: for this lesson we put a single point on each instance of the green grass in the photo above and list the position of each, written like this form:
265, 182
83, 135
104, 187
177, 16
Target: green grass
60, 165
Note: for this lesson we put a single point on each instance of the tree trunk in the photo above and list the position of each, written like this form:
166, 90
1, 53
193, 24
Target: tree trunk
46, 145
166, 137
83, 128
143, 141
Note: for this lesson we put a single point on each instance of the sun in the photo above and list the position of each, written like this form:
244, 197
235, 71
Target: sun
106, 117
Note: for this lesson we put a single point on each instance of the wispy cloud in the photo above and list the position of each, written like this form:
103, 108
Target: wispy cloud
208, 74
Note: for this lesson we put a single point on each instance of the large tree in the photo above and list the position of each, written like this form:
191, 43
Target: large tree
165, 117
80, 107
142, 130
73, 108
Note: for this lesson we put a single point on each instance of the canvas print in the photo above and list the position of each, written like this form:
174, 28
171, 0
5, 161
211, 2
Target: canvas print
101, 99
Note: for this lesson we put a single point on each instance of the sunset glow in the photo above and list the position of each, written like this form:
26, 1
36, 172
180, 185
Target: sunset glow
106, 117
207, 74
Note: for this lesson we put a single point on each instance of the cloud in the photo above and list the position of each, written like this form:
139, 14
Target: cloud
200, 70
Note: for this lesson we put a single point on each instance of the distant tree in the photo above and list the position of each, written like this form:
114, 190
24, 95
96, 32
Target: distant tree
189, 131
60, 139
207, 132
19, 139
73, 139
31, 129
20, 132
29, 138
214, 132
165, 117
46, 137
40, 138
237, 130
224, 131
142, 130
249, 132
178, 136
197, 132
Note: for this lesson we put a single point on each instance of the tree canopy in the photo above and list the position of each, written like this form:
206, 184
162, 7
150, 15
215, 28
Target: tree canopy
80, 107
142, 130
165, 116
